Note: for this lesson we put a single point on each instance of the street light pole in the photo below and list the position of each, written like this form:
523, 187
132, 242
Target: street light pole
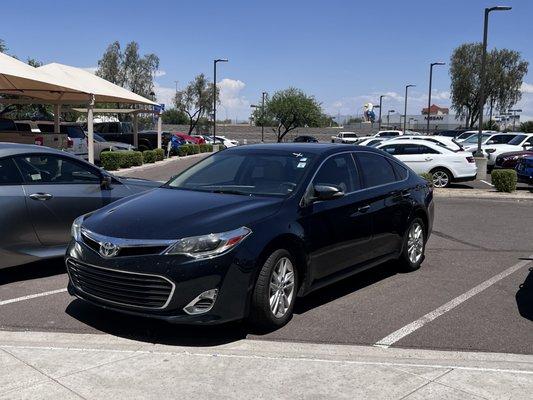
263, 117
514, 116
429, 94
215, 95
481, 104
388, 114
380, 104
405, 107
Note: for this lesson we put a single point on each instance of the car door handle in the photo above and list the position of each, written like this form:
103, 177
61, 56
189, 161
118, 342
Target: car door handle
363, 209
406, 193
41, 196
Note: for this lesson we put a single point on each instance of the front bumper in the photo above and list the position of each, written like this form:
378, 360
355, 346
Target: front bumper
230, 273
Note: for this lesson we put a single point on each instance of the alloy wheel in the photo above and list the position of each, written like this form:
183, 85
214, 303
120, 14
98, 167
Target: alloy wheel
281, 290
440, 179
415, 243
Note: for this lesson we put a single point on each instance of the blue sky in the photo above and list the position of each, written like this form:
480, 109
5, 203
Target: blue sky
345, 53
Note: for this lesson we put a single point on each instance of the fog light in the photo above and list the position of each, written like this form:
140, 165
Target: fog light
202, 303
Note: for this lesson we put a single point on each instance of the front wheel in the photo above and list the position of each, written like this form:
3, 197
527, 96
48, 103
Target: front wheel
414, 246
274, 292
441, 177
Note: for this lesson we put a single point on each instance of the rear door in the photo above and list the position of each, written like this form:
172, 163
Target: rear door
58, 189
77, 136
418, 157
16, 229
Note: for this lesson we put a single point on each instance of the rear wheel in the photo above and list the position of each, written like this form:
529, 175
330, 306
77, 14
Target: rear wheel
441, 177
414, 245
275, 291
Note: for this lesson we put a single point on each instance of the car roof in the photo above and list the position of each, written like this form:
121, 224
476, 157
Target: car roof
314, 148
13, 149
413, 141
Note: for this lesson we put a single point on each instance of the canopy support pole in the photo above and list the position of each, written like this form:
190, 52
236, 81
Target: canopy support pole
90, 131
135, 131
57, 112
159, 129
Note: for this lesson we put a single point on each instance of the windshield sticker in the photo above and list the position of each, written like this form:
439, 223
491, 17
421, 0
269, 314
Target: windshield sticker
301, 165
35, 177
303, 159
297, 154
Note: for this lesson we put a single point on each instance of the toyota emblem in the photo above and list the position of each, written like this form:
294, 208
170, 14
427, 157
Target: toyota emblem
108, 249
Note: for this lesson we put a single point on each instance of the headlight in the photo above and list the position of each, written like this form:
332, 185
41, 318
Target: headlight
210, 245
75, 230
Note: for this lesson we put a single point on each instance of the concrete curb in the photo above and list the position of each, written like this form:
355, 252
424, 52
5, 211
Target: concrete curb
484, 194
156, 164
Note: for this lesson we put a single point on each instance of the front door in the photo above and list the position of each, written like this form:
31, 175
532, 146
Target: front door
58, 189
339, 229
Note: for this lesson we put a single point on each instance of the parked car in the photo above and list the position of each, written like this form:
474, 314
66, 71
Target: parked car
345, 137
43, 191
271, 222
509, 160
190, 139
445, 166
102, 145
123, 132
227, 142
447, 142
76, 140
524, 170
305, 139
372, 142
388, 133
27, 132
487, 139
467, 134
450, 133
522, 141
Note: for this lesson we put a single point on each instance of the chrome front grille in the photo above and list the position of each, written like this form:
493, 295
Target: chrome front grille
122, 288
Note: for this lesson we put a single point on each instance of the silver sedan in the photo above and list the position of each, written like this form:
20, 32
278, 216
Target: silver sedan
42, 191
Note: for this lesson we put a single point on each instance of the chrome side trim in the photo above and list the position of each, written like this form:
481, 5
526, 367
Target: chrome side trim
171, 294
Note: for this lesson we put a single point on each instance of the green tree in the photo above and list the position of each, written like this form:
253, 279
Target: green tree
505, 71
292, 108
3, 47
175, 117
128, 69
196, 100
526, 127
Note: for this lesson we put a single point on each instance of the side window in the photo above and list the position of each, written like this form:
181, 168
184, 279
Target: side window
9, 173
529, 142
376, 169
42, 169
339, 171
400, 170
393, 149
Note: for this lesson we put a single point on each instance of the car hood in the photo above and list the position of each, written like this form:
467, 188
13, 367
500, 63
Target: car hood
166, 213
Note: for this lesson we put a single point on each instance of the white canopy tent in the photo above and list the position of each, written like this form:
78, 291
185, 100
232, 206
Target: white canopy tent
62, 84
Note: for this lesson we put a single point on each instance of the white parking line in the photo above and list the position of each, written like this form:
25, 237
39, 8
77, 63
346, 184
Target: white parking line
419, 323
490, 184
31, 296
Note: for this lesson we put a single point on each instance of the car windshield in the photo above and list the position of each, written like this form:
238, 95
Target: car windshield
98, 138
517, 140
473, 139
258, 173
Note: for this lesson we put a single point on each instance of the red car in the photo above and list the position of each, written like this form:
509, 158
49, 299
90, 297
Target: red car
509, 160
189, 138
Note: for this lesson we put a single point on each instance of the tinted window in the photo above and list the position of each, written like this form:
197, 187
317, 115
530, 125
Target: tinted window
348, 135
502, 138
529, 142
46, 128
7, 125
23, 127
72, 131
9, 173
394, 149
338, 171
418, 149
53, 169
517, 140
389, 134
401, 171
376, 170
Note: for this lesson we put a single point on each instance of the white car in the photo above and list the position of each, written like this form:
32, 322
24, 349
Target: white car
470, 144
447, 142
388, 134
445, 166
227, 142
468, 134
371, 141
522, 141
346, 137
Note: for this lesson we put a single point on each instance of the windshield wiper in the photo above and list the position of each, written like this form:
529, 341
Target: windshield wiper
229, 191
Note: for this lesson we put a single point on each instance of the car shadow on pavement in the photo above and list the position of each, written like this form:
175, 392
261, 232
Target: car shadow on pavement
524, 297
34, 270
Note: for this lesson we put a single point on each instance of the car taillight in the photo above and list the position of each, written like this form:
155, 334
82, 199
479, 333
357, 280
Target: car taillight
39, 141
70, 143
470, 159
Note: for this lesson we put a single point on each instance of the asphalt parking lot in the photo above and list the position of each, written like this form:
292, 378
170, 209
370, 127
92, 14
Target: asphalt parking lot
472, 293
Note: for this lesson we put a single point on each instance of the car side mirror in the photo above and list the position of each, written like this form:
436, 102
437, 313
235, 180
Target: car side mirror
105, 183
327, 192
490, 142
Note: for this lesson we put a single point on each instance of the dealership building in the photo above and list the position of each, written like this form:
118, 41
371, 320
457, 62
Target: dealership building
439, 119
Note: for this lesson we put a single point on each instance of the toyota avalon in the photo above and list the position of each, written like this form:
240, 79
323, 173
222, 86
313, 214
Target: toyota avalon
246, 231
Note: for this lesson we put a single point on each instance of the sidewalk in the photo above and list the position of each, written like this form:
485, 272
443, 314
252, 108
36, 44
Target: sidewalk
37, 365
484, 194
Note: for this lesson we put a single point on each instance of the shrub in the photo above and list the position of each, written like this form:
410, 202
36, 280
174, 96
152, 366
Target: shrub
204, 148
149, 156
183, 150
428, 177
194, 149
209, 148
159, 154
504, 180
110, 160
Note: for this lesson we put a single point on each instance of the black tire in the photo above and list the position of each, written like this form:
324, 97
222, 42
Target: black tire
406, 263
261, 315
441, 177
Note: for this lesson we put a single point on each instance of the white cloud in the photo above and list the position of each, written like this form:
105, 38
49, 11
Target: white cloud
231, 99
164, 95
160, 73
526, 87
